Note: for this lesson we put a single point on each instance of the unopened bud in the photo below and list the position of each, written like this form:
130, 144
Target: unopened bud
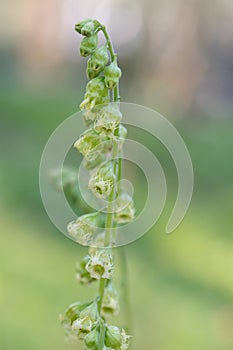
87, 319
112, 74
91, 340
97, 62
87, 27
88, 45
125, 210
113, 337
110, 305
96, 93
72, 313
116, 339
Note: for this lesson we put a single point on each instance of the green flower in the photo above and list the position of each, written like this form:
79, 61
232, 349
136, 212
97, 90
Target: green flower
96, 93
93, 146
97, 62
97, 85
107, 120
87, 27
82, 275
90, 114
91, 340
72, 313
100, 265
112, 74
87, 143
86, 321
124, 210
116, 339
102, 180
88, 45
84, 227
110, 305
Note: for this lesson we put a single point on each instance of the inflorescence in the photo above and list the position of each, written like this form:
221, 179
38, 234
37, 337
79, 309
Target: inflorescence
101, 146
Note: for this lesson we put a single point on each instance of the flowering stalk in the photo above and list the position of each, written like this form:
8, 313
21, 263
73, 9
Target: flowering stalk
101, 145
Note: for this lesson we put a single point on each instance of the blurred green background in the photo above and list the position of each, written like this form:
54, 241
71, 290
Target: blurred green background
177, 57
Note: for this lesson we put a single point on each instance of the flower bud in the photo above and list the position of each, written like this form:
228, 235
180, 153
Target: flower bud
79, 26
102, 180
96, 93
97, 62
108, 118
110, 304
84, 227
72, 313
87, 27
88, 45
112, 74
116, 339
87, 319
113, 337
92, 340
100, 265
91, 311
97, 86
124, 211
87, 143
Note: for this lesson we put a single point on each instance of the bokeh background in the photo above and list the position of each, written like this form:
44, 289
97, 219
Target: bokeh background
176, 57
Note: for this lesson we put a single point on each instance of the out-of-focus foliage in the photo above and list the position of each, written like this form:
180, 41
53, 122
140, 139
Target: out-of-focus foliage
186, 295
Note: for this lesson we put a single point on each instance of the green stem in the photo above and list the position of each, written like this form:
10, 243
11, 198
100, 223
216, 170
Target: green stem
109, 219
101, 293
124, 286
108, 229
113, 56
102, 335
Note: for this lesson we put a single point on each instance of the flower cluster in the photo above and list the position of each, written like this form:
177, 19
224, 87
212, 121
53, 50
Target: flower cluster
82, 321
101, 146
